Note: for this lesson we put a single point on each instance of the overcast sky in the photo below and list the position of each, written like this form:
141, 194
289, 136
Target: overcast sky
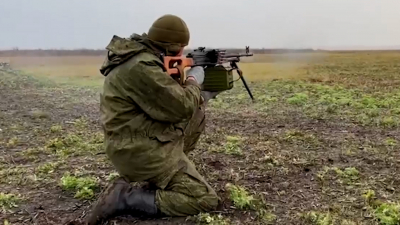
213, 23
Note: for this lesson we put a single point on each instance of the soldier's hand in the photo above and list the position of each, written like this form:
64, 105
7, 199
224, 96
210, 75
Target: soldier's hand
197, 73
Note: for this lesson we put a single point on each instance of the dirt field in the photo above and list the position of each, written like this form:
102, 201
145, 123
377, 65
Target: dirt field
319, 145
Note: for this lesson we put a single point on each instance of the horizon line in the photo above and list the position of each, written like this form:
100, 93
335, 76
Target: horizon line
260, 48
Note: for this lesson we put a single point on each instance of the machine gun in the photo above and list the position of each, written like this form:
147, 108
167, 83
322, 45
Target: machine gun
217, 76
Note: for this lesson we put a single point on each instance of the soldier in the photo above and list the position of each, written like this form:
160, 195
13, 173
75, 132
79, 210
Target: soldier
150, 123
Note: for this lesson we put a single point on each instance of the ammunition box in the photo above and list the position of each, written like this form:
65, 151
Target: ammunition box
217, 78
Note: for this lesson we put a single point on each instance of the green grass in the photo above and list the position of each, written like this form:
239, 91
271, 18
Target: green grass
72, 144
232, 145
240, 196
84, 187
47, 168
9, 201
385, 213
206, 218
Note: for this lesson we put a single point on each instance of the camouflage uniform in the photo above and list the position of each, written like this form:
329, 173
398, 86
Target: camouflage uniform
150, 122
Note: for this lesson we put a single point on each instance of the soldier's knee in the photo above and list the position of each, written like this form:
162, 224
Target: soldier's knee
210, 201
214, 200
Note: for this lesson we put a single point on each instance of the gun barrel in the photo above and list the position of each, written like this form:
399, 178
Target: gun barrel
238, 55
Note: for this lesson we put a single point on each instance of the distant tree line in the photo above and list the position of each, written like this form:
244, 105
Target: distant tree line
103, 52
53, 52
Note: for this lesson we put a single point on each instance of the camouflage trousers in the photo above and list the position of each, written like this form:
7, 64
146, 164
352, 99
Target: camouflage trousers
188, 193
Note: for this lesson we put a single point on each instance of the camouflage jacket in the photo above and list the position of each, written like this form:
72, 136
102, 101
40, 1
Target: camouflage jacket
144, 111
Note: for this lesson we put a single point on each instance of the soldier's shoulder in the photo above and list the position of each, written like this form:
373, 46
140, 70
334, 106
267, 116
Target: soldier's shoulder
141, 63
146, 58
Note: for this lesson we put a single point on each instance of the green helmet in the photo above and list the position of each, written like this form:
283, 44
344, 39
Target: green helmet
169, 29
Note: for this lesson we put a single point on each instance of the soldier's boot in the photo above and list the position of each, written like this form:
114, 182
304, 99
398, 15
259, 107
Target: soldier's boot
121, 198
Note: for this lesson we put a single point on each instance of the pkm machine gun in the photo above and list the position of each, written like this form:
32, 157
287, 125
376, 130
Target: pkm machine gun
218, 77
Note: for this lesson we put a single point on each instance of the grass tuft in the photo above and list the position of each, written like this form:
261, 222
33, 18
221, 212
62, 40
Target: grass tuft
240, 197
207, 218
232, 145
9, 201
84, 187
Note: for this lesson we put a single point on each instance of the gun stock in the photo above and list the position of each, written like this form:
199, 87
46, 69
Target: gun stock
175, 66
